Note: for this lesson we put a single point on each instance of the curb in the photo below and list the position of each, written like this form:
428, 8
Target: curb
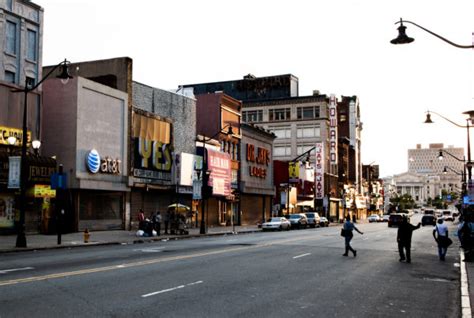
465, 297
130, 242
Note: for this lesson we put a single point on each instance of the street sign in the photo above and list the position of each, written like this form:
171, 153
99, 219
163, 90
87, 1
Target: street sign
58, 181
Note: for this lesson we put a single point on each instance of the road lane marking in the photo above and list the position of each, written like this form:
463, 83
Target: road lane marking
142, 263
150, 249
302, 255
5, 271
171, 289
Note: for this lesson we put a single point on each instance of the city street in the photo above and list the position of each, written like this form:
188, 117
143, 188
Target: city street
299, 273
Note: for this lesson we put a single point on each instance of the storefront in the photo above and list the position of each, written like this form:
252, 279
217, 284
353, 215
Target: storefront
153, 187
257, 189
40, 198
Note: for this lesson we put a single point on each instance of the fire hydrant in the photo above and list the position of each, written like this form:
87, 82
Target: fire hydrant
86, 236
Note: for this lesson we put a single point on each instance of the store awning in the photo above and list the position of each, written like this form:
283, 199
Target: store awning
306, 203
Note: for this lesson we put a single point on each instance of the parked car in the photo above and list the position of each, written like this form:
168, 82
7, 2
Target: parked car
395, 219
385, 217
428, 220
313, 219
298, 220
323, 221
374, 218
276, 223
447, 215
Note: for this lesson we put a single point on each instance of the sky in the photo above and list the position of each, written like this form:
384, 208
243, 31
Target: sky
339, 47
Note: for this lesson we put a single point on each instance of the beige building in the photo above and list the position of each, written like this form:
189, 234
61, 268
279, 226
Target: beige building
449, 169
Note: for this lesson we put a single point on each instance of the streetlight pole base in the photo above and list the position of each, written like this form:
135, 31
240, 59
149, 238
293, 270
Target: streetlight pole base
21, 240
202, 230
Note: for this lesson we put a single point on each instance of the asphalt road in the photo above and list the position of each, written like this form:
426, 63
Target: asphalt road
299, 273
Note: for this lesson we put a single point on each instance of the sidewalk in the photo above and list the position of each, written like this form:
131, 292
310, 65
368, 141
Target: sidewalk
42, 242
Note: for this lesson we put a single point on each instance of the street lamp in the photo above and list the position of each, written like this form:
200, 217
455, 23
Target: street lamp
64, 75
403, 38
471, 115
463, 177
204, 172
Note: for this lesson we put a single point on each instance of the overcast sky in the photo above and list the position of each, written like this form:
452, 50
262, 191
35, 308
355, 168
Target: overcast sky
338, 47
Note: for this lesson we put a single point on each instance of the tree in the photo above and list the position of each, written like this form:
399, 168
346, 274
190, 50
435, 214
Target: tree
403, 202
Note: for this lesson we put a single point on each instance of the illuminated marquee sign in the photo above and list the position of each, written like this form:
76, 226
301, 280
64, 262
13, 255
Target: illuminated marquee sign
6, 132
262, 157
319, 171
332, 129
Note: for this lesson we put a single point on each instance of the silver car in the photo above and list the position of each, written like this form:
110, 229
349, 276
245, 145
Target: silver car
276, 223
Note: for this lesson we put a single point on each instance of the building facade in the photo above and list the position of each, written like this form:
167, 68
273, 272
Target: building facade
85, 126
256, 170
167, 122
449, 168
21, 31
216, 113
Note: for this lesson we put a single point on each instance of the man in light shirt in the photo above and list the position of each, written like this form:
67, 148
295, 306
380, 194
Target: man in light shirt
440, 234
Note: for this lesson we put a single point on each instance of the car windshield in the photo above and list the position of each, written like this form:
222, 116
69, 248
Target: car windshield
295, 216
275, 220
310, 215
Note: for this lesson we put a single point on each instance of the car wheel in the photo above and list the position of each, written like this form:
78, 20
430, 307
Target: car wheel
280, 228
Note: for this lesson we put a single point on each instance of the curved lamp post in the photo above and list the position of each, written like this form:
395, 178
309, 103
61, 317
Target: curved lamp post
204, 172
403, 38
64, 76
463, 177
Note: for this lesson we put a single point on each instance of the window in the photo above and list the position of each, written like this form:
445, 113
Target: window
309, 112
281, 132
10, 77
252, 116
10, 5
279, 114
31, 47
10, 46
309, 131
281, 151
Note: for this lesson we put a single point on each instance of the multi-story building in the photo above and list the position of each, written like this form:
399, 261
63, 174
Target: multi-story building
21, 30
448, 168
21, 34
215, 114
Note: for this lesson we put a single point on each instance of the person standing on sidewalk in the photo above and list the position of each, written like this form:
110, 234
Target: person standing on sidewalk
166, 219
440, 234
348, 228
157, 222
405, 231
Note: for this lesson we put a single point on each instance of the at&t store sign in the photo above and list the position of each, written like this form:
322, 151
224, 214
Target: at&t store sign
96, 164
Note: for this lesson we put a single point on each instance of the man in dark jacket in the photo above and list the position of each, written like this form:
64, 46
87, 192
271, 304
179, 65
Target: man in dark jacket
404, 233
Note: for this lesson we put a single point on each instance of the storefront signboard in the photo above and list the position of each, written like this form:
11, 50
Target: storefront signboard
218, 163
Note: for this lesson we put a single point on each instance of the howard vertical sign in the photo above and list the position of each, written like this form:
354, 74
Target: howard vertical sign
332, 129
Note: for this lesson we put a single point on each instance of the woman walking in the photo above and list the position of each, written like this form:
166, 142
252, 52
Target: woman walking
348, 228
